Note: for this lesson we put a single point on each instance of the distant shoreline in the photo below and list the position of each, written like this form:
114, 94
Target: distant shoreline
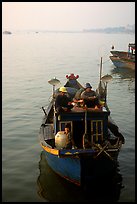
130, 29
61, 31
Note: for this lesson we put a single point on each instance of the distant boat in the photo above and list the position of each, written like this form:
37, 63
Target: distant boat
7, 32
124, 59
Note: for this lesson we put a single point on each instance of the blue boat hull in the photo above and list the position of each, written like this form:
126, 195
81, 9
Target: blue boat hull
68, 168
80, 170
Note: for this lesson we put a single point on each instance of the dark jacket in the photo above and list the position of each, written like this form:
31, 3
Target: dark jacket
62, 101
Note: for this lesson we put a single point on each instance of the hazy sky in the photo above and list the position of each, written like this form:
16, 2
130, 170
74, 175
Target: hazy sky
66, 15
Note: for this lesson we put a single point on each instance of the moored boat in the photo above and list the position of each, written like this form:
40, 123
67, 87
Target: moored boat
124, 59
83, 163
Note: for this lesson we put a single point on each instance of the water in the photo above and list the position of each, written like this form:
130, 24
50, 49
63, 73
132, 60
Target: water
29, 60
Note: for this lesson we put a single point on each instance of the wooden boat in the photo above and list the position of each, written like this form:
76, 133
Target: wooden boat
83, 163
124, 59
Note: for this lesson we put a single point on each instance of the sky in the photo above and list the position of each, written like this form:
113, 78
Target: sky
66, 15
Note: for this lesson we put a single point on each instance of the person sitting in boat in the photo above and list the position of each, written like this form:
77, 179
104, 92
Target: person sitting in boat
70, 141
62, 101
90, 97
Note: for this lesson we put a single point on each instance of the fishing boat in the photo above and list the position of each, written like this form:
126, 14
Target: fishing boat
93, 126
124, 59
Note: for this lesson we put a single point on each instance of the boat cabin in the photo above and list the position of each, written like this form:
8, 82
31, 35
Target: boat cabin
90, 121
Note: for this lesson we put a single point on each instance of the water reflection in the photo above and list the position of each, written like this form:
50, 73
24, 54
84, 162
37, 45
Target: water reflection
53, 188
124, 73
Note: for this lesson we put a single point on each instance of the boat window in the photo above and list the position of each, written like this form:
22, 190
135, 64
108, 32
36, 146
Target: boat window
62, 125
96, 131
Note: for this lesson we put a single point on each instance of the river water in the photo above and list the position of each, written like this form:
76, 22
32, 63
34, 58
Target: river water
29, 60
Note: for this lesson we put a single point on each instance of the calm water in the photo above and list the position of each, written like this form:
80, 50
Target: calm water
29, 61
